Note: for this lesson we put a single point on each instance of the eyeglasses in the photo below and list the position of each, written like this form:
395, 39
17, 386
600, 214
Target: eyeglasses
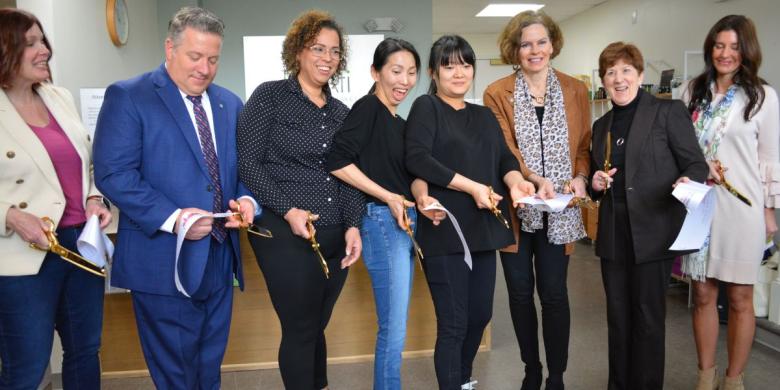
320, 50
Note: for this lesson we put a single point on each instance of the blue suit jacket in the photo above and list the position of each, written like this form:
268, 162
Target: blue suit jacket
148, 161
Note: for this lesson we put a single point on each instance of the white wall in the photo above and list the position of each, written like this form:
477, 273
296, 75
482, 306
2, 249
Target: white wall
83, 53
663, 30
484, 45
273, 17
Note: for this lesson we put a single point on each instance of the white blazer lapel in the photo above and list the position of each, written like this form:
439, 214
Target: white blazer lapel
19, 131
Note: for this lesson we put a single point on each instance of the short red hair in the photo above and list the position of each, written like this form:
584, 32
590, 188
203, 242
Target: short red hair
617, 51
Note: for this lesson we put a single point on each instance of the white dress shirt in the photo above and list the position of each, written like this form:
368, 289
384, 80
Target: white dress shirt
170, 223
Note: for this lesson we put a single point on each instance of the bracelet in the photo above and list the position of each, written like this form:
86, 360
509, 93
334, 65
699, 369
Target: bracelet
98, 197
584, 178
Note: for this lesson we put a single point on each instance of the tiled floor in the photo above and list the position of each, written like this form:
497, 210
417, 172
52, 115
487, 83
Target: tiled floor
501, 368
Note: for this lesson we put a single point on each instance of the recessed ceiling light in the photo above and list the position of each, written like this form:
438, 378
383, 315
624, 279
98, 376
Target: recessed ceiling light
507, 10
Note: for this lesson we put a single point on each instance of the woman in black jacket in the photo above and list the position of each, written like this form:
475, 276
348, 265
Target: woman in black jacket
651, 146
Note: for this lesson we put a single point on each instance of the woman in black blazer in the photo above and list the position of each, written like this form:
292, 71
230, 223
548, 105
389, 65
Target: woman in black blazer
652, 147
458, 148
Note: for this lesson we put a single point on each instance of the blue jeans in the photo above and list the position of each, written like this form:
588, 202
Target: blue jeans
60, 297
387, 253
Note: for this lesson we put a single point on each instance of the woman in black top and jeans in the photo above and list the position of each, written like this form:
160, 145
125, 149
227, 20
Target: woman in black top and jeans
459, 150
284, 135
368, 153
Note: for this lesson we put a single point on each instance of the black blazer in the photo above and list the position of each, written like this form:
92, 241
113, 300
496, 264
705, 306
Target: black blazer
662, 146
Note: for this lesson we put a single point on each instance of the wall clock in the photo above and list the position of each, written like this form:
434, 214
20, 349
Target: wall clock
117, 22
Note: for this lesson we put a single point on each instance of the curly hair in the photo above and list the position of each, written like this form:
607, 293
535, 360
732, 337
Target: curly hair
14, 24
509, 40
747, 74
302, 33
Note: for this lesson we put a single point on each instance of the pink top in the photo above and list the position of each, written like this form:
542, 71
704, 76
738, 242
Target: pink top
67, 164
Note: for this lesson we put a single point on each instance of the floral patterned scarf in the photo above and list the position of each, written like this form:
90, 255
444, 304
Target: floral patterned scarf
709, 120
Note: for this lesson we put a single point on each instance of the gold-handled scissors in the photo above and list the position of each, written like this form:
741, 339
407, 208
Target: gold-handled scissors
585, 202
315, 246
251, 227
607, 157
418, 253
65, 253
729, 187
495, 210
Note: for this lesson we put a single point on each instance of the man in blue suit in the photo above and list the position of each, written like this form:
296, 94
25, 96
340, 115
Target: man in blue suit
165, 151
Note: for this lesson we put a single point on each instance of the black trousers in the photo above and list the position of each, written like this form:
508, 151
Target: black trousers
302, 297
636, 314
463, 301
544, 265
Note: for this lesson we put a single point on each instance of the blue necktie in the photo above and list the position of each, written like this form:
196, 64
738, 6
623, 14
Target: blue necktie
210, 155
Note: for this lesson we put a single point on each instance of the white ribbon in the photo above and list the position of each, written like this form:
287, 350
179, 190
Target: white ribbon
466, 251
186, 223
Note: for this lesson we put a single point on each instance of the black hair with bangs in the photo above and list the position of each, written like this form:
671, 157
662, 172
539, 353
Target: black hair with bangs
449, 49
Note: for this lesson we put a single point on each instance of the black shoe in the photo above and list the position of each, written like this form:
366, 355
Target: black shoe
554, 383
533, 378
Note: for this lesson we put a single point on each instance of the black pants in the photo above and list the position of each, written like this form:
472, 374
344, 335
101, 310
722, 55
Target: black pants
636, 314
302, 297
540, 263
463, 301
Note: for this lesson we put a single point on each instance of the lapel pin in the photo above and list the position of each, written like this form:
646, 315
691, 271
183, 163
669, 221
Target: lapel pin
220, 105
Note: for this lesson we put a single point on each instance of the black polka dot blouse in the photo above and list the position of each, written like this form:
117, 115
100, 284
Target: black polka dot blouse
283, 142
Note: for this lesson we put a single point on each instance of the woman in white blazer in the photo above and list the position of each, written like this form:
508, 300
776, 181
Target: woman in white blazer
45, 171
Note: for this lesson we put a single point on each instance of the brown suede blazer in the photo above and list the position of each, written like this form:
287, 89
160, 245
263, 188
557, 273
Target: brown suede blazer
499, 97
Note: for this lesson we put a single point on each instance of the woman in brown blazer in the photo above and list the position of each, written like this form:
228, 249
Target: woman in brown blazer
545, 117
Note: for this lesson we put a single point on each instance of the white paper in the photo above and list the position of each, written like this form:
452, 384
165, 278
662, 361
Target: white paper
554, 205
93, 244
700, 203
466, 251
186, 223
91, 101
691, 193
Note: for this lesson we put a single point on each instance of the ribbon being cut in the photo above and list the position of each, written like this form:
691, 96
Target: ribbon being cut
187, 221
466, 251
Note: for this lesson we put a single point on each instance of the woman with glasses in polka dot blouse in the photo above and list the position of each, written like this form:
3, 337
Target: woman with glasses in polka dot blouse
284, 135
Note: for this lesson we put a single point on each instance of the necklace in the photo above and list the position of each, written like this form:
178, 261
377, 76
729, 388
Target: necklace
539, 100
